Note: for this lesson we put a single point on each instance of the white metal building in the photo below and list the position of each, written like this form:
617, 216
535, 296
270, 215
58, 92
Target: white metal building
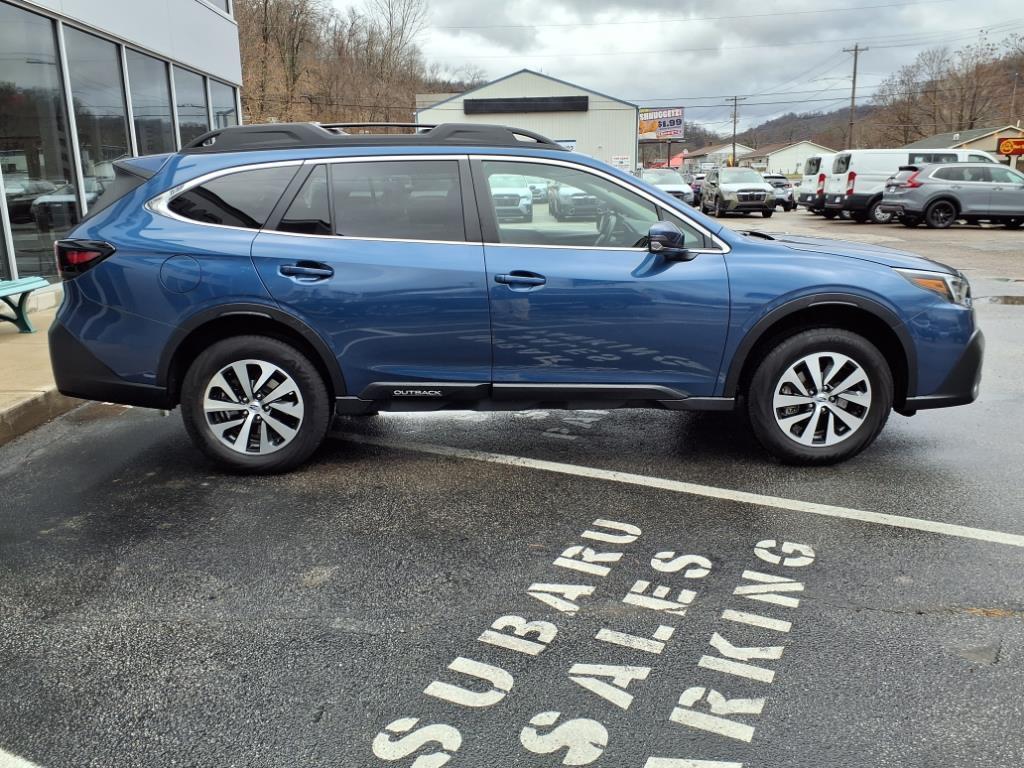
783, 158
592, 123
86, 82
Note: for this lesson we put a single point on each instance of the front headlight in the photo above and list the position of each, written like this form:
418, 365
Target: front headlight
728, 194
953, 288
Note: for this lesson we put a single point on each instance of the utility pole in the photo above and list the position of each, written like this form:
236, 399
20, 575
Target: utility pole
1013, 96
735, 116
856, 51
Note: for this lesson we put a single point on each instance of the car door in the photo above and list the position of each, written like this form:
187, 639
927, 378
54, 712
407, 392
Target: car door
1007, 191
378, 256
969, 186
583, 302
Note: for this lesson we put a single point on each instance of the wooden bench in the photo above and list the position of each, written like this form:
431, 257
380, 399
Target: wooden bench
22, 287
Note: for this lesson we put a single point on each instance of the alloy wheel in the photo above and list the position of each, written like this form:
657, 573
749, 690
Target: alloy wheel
253, 407
822, 399
942, 214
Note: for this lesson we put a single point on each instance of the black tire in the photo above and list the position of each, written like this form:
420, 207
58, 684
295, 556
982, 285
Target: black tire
877, 215
315, 418
830, 213
528, 217
940, 215
910, 221
717, 211
1013, 223
861, 217
761, 391
767, 214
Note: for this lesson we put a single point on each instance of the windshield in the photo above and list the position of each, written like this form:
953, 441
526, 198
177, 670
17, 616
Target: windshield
507, 180
662, 176
741, 176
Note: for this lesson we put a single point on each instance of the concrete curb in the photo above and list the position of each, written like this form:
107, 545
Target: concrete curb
35, 410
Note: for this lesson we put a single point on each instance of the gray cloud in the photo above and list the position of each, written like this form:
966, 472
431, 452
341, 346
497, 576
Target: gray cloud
752, 55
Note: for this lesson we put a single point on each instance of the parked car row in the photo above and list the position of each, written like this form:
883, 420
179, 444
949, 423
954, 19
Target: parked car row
726, 190
934, 187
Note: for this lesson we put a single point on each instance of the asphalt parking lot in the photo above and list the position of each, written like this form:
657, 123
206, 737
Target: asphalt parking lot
690, 603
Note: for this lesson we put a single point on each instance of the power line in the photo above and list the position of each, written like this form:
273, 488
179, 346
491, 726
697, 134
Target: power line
690, 19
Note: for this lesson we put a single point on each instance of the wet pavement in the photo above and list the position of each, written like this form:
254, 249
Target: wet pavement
690, 603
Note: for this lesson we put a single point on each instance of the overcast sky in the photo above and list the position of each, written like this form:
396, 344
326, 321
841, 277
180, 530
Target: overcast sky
672, 52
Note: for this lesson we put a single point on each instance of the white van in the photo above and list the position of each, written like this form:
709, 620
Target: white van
812, 185
858, 177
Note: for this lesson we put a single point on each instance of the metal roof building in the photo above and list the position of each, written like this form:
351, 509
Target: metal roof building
587, 121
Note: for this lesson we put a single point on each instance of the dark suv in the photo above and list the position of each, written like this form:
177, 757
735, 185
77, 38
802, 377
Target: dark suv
267, 277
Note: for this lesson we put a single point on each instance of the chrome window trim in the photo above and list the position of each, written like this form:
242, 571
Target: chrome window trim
159, 204
723, 246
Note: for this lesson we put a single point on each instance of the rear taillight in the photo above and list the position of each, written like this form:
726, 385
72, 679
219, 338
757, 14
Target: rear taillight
912, 182
76, 256
851, 178
821, 183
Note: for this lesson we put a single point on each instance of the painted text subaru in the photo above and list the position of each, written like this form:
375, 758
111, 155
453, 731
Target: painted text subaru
267, 277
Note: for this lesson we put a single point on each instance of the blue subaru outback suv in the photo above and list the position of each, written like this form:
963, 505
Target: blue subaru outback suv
267, 277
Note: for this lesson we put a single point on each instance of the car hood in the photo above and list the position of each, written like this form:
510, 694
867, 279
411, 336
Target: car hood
521, 191
736, 186
878, 254
684, 188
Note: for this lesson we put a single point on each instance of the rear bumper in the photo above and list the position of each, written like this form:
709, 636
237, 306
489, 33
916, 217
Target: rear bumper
79, 373
961, 385
899, 208
847, 202
813, 200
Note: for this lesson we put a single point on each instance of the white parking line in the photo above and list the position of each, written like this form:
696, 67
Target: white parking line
709, 491
7, 760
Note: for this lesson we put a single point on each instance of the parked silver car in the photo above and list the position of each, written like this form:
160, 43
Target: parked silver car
939, 195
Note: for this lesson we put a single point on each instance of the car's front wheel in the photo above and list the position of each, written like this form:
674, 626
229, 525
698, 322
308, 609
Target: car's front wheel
820, 397
255, 404
768, 214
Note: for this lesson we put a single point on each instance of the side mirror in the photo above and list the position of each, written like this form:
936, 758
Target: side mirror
666, 240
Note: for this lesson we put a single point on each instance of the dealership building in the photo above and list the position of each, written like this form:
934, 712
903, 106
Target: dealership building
86, 82
586, 121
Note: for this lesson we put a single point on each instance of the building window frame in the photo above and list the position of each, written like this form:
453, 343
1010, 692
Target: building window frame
76, 151
9, 257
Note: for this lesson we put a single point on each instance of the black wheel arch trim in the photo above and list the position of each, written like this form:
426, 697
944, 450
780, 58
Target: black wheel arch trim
764, 325
265, 311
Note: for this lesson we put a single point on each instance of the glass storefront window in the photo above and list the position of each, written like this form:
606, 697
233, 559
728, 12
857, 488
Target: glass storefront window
193, 119
101, 117
151, 103
35, 146
225, 111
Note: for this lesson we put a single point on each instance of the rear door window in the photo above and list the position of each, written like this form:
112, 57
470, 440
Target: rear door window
841, 164
242, 199
398, 199
310, 211
950, 174
812, 166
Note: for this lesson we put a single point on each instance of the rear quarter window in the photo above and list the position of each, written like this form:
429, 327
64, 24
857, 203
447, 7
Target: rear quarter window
241, 199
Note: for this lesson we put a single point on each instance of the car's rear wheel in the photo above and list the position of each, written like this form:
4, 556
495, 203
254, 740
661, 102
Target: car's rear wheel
877, 215
829, 213
940, 214
820, 397
255, 404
